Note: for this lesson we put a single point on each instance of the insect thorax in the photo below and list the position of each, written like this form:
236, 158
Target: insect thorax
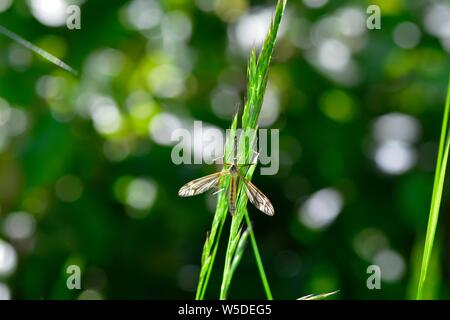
233, 170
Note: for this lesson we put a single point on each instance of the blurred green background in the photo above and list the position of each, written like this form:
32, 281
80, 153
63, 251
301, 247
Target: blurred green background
86, 175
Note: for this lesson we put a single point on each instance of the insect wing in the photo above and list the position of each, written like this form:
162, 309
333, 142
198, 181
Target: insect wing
258, 198
200, 185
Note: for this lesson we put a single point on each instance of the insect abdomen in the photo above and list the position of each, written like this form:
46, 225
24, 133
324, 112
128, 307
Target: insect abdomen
232, 195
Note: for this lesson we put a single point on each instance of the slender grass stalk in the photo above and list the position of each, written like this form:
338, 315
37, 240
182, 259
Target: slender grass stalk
44, 54
438, 186
259, 263
257, 72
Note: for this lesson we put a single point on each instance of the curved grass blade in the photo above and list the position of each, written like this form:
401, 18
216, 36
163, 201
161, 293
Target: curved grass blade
438, 186
318, 296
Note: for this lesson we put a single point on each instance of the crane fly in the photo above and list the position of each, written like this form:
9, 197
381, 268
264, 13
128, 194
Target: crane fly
205, 183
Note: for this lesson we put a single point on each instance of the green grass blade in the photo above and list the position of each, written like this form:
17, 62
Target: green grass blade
436, 197
239, 246
239, 250
433, 286
257, 73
